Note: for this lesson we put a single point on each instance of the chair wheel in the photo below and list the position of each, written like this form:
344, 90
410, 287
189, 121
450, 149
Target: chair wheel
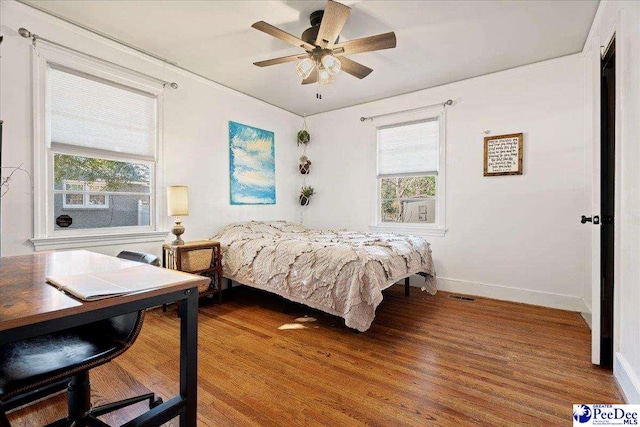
158, 401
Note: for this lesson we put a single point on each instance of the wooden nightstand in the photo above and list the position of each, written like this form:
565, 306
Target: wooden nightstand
198, 257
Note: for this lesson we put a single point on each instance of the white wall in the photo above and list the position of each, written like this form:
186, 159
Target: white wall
623, 19
195, 134
516, 237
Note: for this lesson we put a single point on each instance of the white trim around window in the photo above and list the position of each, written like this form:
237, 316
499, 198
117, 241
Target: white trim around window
438, 228
46, 237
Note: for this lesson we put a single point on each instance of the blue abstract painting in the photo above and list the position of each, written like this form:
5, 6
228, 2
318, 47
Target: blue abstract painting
252, 165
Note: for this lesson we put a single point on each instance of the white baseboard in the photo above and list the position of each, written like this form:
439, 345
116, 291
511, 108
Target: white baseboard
627, 379
586, 314
526, 296
587, 318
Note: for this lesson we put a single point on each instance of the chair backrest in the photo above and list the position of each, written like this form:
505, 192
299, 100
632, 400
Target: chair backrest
128, 325
140, 257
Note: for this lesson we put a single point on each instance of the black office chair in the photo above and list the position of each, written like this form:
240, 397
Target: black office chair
37, 367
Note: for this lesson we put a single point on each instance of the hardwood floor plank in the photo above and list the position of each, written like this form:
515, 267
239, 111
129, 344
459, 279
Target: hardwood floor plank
427, 360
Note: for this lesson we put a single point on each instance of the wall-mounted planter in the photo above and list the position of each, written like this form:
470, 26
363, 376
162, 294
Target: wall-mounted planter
305, 165
303, 137
305, 195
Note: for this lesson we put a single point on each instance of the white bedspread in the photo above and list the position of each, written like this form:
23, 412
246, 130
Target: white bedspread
337, 271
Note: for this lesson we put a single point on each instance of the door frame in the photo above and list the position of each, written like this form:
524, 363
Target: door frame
592, 163
593, 59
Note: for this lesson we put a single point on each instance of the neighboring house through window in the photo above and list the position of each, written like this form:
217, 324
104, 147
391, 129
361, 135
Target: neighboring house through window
97, 152
410, 176
81, 195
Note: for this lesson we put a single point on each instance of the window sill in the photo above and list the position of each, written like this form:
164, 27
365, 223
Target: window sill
78, 242
415, 230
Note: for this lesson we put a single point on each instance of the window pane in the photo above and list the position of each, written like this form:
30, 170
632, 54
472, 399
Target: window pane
101, 174
108, 197
97, 200
71, 186
123, 210
408, 199
74, 199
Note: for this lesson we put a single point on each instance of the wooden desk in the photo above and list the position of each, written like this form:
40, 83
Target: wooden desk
30, 307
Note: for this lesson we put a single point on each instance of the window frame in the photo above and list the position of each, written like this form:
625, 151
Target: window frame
438, 228
47, 56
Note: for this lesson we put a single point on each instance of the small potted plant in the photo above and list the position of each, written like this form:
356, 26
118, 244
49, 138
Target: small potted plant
305, 165
305, 195
303, 137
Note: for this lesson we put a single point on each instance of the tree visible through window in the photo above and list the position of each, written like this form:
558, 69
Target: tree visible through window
408, 199
98, 193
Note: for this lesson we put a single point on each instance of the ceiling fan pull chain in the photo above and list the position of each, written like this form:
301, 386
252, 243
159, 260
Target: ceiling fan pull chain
318, 93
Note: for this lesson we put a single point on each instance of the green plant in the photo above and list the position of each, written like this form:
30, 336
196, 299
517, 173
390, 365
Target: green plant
306, 191
303, 137
305, 165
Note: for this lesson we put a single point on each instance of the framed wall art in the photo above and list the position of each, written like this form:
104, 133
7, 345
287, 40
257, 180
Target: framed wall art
503, 155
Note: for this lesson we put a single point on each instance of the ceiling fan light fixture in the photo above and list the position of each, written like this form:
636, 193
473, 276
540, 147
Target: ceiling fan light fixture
324, 77
305, 67
331, 64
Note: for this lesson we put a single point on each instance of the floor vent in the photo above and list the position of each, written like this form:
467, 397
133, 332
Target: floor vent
462, 298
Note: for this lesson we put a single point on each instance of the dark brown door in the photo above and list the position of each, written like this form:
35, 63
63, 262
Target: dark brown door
607, 202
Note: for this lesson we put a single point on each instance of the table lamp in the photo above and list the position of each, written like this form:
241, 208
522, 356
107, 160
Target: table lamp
178, 206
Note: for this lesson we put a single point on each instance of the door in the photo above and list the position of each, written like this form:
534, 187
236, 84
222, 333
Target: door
607, 202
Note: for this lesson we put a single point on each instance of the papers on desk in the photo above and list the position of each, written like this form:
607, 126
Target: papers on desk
106, 284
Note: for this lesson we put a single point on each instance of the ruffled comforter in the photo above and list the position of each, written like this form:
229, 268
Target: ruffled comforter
337, 271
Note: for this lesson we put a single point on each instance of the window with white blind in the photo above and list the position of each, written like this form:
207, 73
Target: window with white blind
410, 179
103, 141
98, 152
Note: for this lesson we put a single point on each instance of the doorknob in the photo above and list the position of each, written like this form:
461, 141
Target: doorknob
595, 219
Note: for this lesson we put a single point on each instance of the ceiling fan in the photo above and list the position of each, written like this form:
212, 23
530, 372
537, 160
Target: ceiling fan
324, 54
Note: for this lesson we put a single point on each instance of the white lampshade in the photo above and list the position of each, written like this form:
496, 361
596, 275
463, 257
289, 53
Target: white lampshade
305, 67
331, 64
177, 200
324, 77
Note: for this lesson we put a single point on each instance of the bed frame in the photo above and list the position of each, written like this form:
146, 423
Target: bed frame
407, 287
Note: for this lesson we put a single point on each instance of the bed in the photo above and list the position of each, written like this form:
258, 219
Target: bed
339, 272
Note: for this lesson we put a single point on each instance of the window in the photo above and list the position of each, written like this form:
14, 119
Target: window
96, 152
410, 187
90, 115
76, 195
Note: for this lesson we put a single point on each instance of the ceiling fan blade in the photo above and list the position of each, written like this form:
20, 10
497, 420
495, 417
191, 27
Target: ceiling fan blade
366, 44
313, 78
354, 68
282, 35
281, 60
333, 20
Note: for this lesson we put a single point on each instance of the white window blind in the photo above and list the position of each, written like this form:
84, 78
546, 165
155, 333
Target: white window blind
93, 113
408, 148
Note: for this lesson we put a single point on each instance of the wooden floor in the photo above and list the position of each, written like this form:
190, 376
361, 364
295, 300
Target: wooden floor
427, 360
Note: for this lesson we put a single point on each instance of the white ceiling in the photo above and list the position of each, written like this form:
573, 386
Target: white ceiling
438, 42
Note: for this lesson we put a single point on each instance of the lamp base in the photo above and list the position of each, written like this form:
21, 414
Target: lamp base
177, 230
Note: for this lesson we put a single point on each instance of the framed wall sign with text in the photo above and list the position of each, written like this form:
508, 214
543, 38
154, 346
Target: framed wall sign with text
503, 155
